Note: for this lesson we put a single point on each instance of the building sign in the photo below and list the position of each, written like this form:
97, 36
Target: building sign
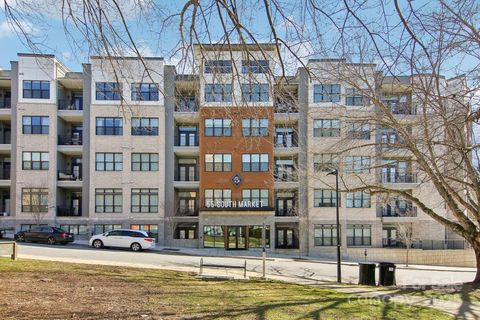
236, 179
228, 204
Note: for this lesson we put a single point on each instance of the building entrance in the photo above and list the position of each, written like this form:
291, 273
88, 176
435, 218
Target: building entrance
236, 238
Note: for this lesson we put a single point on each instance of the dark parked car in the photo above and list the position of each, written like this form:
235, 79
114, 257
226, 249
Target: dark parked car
51, 235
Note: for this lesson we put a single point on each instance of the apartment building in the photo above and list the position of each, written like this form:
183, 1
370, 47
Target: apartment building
228, 157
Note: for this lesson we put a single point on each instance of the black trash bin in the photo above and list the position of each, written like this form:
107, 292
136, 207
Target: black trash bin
366, 273
387, 274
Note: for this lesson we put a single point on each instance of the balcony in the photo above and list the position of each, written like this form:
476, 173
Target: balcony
6, 103
286, 107
187, 212
186, 104
68, 212
395, 211
286, 212
398, 178
70, 140
74, 105
65, 175
400, 108
425, 244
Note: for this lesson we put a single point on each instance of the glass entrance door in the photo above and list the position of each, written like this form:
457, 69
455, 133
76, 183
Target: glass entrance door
236, 237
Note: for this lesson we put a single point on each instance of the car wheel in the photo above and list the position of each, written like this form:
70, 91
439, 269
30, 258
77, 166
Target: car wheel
97, 244
51, 240
136, 247
21, 238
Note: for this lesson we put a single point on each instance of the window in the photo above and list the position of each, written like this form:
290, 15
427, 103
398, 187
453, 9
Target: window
186, 169
285, 203
34, 125
213, 237
26, 227
144, 126
360, 131
359, 235
212, 195
187, 203
218, 93
255, 162
108, 161
326, 128
35, 160
255, 66
326, 93
186, 230
255, 239
354, 97
36, 89
34, 199
285, 170
107, 91
325, 198
144, 161
151, 229
357, 164
358, 199
256, 92
326, 162
285, 138
218, 127
77, 229
218, 66
187, 136
218, 162
144, 92
256, 195
325, 235
108, 200
109, 126
102, 228
255, 127
145, 200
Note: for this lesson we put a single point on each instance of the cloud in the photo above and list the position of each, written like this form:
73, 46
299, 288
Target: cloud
9, 30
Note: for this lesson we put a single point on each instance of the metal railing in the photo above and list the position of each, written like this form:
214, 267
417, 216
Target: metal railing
426, 244
399, 178
186, 104
188, 212
65, 175
67, 140
68, 212
14, 254
286, 143
285, 176
286, 107
390, 211
4, 174
397, 107
286, 212
69, 105
7, 103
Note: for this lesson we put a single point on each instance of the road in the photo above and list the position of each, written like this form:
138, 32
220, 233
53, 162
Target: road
292, 270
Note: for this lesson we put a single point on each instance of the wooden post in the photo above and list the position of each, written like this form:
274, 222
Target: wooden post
14, 251
245, 270
201, 266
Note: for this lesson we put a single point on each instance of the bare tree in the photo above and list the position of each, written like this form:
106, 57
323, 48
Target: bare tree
406, 236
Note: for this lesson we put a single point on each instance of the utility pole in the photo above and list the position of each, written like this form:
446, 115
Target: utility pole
339, 258
264, 252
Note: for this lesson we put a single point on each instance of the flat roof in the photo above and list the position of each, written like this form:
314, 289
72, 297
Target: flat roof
236, 46
126, 58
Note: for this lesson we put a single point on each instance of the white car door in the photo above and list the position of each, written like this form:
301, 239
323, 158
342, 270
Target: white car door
113, 239
126, 239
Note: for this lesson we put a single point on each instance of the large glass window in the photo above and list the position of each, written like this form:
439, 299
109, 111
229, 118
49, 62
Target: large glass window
218, 127
212, 195
218, 93
187, 136
34, 89
78, 229
144, 161
218, 66
326, 162
357, 164
255, 162
354, 97
185, 230
255, 127
325, 198
326, 93
109, 126
358, 199
360, 131
106, 161
359, 235
213, 236
325, 235
102, 228
256, 92
34, 199
255, 66
218, 162
34, 125
187, 203
256, 195
108, 200
144, 92
255, 239
326, 128
151, 229
144, 126
145, 200
35, 160
107, 91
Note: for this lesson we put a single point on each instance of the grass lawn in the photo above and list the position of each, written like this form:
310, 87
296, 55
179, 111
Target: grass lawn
52, 290
462, 292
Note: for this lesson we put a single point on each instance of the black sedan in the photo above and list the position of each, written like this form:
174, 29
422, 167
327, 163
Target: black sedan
50, 235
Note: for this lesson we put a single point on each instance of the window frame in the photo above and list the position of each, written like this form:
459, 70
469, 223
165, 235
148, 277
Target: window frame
141, 130
358, 199
152, 196
226, 166
152, 165
255, 92
116, 195
213, 129
323, 131
262, 165
261, 196
42, 92
41, 127
31, 193
116, 129
325, 93
42, 164
320, 201
137, 93
255, 127
108, 91
214, 90
319, 240
116, 165
352, 240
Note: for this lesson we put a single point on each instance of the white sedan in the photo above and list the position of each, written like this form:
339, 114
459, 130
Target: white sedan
123, 238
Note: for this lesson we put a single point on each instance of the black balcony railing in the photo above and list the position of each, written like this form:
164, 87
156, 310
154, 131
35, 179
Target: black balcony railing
286, 142
65, 175
286, 212
393, 211
285, 175
397, 107
68, 212
70, 140
75, 104
425, 244
187, 212
286, 107
399, 178
5, 174
186, 104
190, 141
6, 103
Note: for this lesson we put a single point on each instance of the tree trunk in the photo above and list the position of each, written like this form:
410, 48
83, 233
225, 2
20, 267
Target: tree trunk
408, 250
476, 249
